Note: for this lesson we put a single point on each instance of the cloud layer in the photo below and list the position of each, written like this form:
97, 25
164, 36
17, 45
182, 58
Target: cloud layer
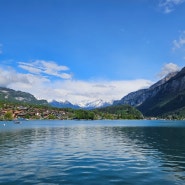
168, 6
40, 85
37, 81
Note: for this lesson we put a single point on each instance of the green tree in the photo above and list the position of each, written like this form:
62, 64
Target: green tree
8, 115
51, 116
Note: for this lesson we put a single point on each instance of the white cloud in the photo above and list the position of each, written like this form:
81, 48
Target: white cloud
29, 68
75, 91
11, 78
180, 43
168, 6
168, 68
45, 67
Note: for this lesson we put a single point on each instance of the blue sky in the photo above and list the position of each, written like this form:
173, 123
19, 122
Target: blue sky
83, 50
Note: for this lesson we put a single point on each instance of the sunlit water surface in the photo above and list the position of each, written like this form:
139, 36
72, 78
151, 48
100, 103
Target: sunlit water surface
92, 152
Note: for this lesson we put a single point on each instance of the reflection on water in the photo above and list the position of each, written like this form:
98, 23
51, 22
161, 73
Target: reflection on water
105, 153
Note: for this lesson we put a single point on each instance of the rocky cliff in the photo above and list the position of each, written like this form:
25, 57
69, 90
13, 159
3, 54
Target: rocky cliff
163, 98
169, 97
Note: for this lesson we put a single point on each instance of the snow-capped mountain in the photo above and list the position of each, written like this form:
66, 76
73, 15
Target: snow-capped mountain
81, 105
94, 104
19, 96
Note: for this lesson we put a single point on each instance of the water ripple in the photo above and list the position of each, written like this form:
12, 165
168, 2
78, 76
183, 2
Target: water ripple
101, 155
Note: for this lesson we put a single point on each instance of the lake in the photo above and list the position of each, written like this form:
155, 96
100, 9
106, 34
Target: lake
92, 152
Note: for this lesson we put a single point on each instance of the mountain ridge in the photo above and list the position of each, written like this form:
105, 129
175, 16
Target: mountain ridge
164, 98
86, 106
169, 98
10, 95
136, 98
65, 104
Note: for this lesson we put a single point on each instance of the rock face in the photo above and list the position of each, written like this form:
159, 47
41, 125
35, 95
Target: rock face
134, 98
164, 97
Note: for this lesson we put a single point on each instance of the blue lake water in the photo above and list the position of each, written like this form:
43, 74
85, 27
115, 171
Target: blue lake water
92, 152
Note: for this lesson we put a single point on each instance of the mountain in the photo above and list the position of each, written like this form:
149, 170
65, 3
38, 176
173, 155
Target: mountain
11, 95
65, 104
169, 99
164, 98
82, 105
134, 98
95, 104
138, 97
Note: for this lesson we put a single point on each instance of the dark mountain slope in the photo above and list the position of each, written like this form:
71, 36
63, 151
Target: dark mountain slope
169, 98
166, 97
10, 95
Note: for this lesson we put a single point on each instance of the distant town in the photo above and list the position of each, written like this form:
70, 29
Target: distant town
16, 111
13, 112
